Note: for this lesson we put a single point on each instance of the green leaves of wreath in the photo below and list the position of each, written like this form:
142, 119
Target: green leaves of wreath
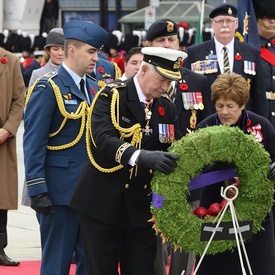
175, 220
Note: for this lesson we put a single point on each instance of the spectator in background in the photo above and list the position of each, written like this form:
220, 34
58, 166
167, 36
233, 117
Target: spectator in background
117, 56
133, 61
36, 64
49, 16
11, 111
26, 58
53, 56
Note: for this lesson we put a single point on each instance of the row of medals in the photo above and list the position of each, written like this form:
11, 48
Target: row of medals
192, 101
211, 66
166, 131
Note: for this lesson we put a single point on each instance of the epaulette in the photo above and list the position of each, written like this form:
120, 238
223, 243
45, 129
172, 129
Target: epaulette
48, 76
109, 87
116, 85
167, 97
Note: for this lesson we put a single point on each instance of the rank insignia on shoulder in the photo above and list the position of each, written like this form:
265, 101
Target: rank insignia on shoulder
116, 85
41, 86
49, 75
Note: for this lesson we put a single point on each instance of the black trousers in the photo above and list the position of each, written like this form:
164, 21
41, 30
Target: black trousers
106, 246
3, 229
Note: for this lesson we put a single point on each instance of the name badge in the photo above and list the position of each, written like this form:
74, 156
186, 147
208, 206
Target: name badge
70, 102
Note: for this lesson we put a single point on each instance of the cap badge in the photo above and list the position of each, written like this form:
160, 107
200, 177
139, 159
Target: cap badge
229, 11
177, 63
170, 26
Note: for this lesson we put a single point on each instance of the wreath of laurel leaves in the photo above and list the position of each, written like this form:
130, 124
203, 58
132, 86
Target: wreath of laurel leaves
176, 222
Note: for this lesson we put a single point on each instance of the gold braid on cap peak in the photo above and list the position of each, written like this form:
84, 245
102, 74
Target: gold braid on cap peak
135, 132
82, 113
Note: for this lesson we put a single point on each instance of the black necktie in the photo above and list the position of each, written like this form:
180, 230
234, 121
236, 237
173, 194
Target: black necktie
82, 87
226, 66
93, 74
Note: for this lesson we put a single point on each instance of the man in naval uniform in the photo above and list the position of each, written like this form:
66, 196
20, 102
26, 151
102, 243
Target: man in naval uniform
208, 57
133, 124
55, 147
191, 96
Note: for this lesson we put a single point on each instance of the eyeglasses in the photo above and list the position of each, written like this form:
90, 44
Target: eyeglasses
227, 21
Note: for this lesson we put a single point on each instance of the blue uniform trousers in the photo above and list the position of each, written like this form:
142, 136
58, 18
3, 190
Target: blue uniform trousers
60, 238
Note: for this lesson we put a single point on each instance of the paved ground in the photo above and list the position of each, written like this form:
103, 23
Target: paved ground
23, 230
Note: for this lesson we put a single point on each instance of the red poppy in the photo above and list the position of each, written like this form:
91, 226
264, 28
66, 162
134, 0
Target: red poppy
238, 57
273, 42
183, 86
4, 60
92, 91
161, 111
100, 69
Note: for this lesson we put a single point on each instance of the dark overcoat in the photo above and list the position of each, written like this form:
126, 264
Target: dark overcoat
260, 249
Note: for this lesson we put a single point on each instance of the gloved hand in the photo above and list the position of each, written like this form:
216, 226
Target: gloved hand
271, 174
157, 160
42, 204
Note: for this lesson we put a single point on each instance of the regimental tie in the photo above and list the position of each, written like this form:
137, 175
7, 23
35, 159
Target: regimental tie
226, 66
171, 92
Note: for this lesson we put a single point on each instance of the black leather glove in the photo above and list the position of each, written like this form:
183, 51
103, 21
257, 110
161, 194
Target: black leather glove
157, 160
271, 174
42, 204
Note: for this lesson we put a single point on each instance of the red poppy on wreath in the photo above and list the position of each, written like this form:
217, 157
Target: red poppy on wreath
161, 111
4, 60
183, 86
238, 57
100, 69
273, 42
92, 91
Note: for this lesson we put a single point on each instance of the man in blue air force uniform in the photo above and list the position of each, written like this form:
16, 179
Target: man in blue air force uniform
54, 145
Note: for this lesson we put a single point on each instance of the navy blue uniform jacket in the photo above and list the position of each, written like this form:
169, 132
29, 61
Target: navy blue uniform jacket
54, 171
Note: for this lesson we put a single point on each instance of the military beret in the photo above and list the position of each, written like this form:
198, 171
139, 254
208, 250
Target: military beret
166, 62
85, 31
163, 27
264, 8
224, 9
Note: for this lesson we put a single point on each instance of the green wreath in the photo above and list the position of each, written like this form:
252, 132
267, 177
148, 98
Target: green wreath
175, 220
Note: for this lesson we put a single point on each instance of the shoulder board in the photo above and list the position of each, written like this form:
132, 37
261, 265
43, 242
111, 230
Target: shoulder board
116, 85
167, 97
48, 76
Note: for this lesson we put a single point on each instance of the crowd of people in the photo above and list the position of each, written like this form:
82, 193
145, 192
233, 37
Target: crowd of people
99, 120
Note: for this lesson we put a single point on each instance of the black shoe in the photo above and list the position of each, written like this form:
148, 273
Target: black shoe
5, 260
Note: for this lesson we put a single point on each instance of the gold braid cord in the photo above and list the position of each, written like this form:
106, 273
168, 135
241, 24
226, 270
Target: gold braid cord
118, 73
134, 131
81, 113
239, 36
